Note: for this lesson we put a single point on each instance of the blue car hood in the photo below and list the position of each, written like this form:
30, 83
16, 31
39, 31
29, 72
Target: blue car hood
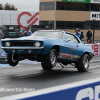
26, 38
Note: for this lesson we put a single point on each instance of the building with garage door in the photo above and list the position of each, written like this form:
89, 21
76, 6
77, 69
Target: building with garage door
70, 14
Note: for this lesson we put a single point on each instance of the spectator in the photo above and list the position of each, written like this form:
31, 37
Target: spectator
82, 35
65, 29
27, 32
89, 35
78, 34
47, 27
1, 35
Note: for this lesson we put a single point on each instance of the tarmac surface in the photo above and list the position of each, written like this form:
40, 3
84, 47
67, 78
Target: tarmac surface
30, 75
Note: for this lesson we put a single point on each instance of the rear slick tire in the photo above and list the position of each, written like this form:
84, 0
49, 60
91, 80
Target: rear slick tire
50, 60
83, 64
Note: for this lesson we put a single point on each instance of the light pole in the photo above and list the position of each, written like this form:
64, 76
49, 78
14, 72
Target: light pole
55, 16
10, 18
2, 18
93, 29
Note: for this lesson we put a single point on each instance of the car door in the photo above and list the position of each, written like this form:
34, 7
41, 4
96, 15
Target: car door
71, 49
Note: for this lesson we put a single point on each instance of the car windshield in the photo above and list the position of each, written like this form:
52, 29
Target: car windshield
49, 34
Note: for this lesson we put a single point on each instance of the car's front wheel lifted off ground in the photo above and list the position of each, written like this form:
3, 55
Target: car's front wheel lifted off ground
13, 59
50, 60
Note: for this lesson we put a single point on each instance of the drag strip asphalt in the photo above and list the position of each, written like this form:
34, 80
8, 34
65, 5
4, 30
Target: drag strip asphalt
31, 76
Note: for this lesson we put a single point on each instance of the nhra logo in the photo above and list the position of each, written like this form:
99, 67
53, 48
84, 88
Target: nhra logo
33, 18
95, 15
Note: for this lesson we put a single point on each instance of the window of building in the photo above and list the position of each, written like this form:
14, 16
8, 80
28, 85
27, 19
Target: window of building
97, 27
95, 7
85, 6
84, 26
78, 24
78, 6
47, 23
60, 6
69, 25
60, 24
42, 6
68, 6
47, 6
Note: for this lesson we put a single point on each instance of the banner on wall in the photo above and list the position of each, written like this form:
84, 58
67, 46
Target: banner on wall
94, 15
21, 18
80, 1
95, 1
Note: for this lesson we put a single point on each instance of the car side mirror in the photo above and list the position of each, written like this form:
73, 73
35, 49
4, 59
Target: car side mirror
69, 39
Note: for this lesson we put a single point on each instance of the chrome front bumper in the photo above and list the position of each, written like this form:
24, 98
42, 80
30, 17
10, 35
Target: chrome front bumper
22, 47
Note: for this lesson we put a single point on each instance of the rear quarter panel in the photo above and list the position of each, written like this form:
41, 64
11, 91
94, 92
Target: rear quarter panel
86, 49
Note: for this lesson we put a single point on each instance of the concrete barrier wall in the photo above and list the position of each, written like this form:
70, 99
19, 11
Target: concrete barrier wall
83, 90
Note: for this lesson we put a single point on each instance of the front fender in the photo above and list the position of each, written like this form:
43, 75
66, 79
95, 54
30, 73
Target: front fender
49, 44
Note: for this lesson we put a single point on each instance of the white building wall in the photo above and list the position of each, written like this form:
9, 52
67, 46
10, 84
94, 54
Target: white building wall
8, 17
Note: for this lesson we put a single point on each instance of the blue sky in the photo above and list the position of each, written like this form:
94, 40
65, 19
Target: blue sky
23, 5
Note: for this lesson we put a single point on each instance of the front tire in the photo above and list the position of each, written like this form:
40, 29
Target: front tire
50, 60
83, 64
13, 59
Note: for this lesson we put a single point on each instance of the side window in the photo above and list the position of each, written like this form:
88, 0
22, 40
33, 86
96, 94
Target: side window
75, 40
67, 37
71, 38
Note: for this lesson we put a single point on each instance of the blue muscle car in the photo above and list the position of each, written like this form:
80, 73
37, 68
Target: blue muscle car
49, 47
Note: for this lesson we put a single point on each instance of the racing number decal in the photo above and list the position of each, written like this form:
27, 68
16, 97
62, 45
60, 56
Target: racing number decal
29, 21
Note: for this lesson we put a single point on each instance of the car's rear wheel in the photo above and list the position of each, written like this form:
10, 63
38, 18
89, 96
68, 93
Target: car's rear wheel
13, 59
50, 60
83, 64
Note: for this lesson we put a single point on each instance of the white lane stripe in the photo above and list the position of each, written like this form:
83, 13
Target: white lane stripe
49, 90
4, 65
24, 61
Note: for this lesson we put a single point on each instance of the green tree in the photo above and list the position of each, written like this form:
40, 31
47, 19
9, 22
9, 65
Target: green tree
13, 7
1, 8
7, 6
